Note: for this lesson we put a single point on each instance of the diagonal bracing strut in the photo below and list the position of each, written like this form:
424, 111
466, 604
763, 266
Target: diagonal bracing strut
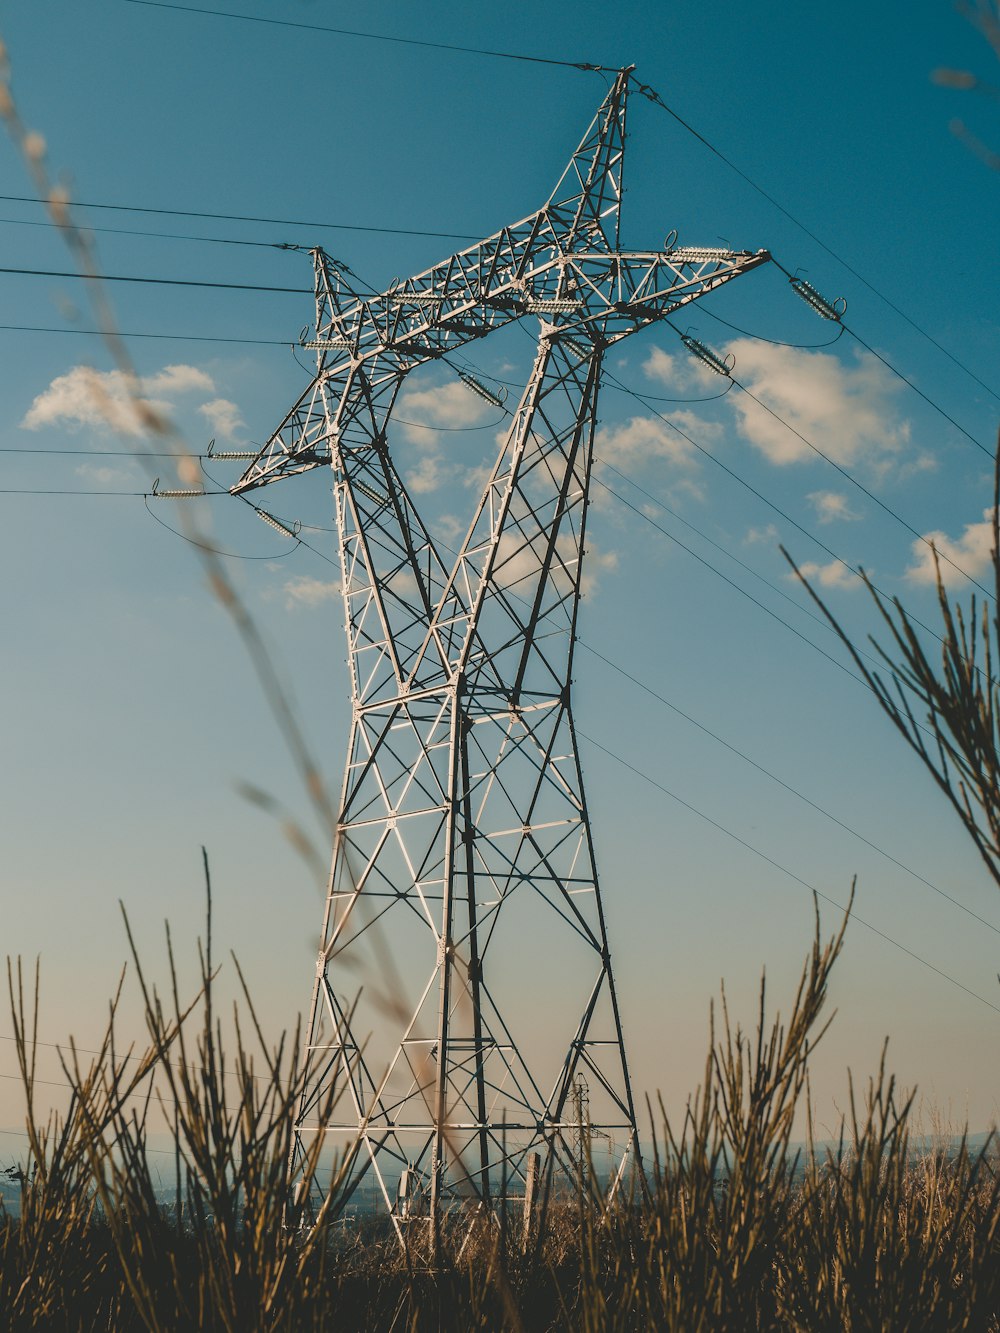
464, 892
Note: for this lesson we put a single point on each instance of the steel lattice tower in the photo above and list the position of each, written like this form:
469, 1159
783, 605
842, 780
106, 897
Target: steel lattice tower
463, 867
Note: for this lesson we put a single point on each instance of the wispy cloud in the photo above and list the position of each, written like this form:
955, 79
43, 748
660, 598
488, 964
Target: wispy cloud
835, 574
660, 367
681, 371
172, 380
972, 552
431, 473
832, 506
304, 591
421, 413
595, 566
106, 399
223, 417
848, 411
641, 439
768, 535
103, 475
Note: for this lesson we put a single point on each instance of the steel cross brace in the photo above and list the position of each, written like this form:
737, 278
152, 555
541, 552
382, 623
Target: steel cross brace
464, 898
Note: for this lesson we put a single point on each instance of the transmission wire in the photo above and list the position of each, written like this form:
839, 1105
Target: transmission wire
648, 689
159, 282
799, 527
653, 96
849, 477
169, 337
377, 37
242, 217
785, 870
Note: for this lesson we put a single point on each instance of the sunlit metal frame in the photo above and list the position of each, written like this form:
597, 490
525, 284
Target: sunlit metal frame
463, 791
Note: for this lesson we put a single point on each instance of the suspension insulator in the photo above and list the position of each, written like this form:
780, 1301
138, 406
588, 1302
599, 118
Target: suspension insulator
372, 494
477, 386
173, 494
710, 358
826, 309
277, 524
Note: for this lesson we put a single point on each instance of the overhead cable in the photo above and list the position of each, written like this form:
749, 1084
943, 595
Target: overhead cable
849, 477
169, 337
776, 509
159, 282
841, 907
732, 583
786, 786
376, 36
241, 217
653, 96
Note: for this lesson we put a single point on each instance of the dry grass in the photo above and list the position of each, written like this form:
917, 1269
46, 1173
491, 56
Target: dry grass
732, 1230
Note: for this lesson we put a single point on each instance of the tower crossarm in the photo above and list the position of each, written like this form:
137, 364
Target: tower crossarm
625, 291
520, 270
608, 293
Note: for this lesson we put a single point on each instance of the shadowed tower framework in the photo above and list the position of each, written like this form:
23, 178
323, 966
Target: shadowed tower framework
464, 993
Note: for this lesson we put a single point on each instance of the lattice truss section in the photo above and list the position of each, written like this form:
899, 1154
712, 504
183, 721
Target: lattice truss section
464, 982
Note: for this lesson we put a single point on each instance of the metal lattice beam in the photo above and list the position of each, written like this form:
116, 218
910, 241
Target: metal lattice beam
463, 860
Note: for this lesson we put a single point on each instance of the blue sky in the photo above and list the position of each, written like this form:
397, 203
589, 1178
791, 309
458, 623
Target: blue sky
130, 712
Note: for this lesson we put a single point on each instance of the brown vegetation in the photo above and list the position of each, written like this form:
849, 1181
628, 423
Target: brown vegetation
732, 1228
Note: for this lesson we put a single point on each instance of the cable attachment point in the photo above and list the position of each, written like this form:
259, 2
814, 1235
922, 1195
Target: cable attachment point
710, 358
497, 399
173, 494
321, 344
826, 309
276, 523
229, 455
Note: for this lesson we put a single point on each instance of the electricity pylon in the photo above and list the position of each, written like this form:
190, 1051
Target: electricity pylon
464, 978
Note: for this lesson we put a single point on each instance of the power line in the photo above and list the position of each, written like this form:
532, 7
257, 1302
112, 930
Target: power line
920, 393
653, 96
210, 547
98, 453
155, 235
785, 871
774, 342
749, 569
108, 495
376, 36
732, 583
159, 282
242, 217
849, 477
776, 509
786, 786
169, 337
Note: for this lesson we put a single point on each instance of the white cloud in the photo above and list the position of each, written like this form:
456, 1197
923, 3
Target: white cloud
831, 506
450, 529
520, 561
103, 475
431, 472
305, 591
835, 574
972, 552
595, 565
755, 536
643, 438
453, 406
111, 400
660, 366
223, 417
675, 372
848, 411
173, 380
